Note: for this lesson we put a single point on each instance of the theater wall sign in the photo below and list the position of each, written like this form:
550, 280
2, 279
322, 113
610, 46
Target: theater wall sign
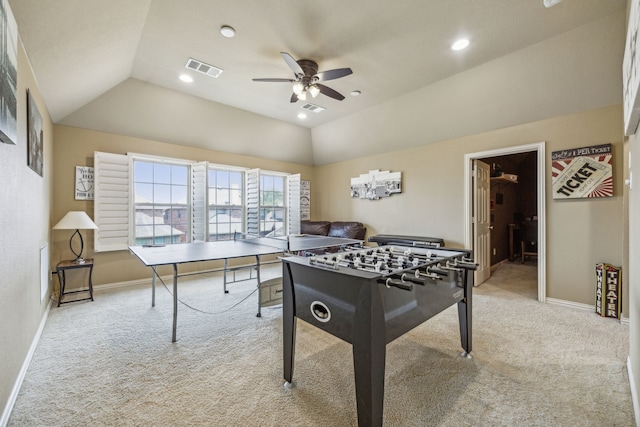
582, 172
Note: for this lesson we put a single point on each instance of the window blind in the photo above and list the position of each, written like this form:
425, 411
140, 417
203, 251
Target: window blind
293, 204
199, 207
252, 186
111, 202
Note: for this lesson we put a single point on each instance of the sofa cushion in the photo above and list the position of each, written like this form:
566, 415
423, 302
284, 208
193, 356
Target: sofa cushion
320, 228
348, 230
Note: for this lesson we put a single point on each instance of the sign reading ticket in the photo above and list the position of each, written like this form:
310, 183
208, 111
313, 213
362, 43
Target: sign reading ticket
582, 172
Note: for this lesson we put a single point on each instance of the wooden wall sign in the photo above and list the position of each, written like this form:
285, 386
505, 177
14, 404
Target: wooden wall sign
608, 290
582, 172
305, 200
84, 189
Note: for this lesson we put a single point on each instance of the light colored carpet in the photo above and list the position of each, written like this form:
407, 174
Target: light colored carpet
111, 363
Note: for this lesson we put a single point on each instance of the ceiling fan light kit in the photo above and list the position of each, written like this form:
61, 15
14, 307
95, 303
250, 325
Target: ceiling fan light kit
307, 78
314, 90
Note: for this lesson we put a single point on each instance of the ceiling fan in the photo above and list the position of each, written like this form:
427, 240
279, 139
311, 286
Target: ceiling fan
307, 78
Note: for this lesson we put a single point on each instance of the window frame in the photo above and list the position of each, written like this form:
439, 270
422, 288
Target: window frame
285, 201
132, 157
114, 204
231, 169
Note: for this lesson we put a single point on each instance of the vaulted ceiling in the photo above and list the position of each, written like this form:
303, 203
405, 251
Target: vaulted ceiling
82, 49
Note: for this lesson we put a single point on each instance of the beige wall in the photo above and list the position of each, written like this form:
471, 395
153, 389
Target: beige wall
578, 70
580, 233
634, 267
25, 201
75, 147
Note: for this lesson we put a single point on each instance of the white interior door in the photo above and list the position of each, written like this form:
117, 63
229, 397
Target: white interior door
481, 221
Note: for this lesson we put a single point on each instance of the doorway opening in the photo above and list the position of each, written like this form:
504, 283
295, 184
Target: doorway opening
531, 209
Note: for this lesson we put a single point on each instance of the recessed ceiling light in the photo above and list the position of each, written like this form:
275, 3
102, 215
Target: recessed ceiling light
186, 78
302, 116
227, 31
460, 44
550, 3
355, 92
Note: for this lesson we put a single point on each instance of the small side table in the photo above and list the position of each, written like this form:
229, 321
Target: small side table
71, 265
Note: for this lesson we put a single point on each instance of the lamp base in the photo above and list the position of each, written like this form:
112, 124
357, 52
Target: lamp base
79, 259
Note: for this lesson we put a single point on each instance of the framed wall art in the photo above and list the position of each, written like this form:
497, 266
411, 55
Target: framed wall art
84, 183
305, 200
582, 172
9, 72
35, 156
631, 72
376, 184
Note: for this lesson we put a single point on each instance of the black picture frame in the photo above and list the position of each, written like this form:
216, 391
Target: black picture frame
35, 155
8, 74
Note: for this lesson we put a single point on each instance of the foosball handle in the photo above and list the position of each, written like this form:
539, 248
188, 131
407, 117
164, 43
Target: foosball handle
397, 284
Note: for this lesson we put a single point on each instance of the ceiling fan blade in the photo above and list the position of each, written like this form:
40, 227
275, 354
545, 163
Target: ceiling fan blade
294, 98
274, 80
292, 64
333, 74
325, 90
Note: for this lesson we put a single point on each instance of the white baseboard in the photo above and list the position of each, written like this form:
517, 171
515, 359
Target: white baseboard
23, 371
634, 393
169, 278
571, 304
127, 283
585, 307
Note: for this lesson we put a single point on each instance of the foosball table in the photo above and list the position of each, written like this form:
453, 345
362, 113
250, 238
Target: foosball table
368, 298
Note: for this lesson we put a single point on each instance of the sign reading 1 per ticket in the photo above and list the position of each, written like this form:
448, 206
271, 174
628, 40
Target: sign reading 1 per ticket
582, 172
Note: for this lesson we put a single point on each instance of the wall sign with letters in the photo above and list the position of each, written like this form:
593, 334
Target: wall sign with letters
582, 172
84, 183
608, 290
305, 200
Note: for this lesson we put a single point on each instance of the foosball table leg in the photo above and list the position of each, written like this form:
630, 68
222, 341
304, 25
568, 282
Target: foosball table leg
464, 314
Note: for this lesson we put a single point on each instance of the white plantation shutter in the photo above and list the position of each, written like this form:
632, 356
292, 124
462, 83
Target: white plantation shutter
252, 202
199, 208
293, 204
111, 203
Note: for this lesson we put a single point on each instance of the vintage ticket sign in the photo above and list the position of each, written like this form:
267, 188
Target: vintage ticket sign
608, 290
582, 172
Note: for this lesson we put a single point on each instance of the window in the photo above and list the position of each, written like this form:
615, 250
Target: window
272, 205
226, 203
144, 200
161, 203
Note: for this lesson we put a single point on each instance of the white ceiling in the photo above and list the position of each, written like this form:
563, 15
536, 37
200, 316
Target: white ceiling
81, 49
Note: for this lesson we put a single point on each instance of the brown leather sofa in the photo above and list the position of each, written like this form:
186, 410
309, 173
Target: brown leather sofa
345, 229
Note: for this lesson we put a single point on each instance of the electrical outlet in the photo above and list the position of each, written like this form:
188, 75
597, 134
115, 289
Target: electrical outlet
494, 251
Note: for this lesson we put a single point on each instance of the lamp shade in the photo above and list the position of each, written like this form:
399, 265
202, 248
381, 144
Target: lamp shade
75, 220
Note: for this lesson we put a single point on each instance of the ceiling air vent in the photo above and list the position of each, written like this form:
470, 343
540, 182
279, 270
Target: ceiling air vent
312, 107
201, 67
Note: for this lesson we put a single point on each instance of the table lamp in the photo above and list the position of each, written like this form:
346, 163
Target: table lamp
76, 220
